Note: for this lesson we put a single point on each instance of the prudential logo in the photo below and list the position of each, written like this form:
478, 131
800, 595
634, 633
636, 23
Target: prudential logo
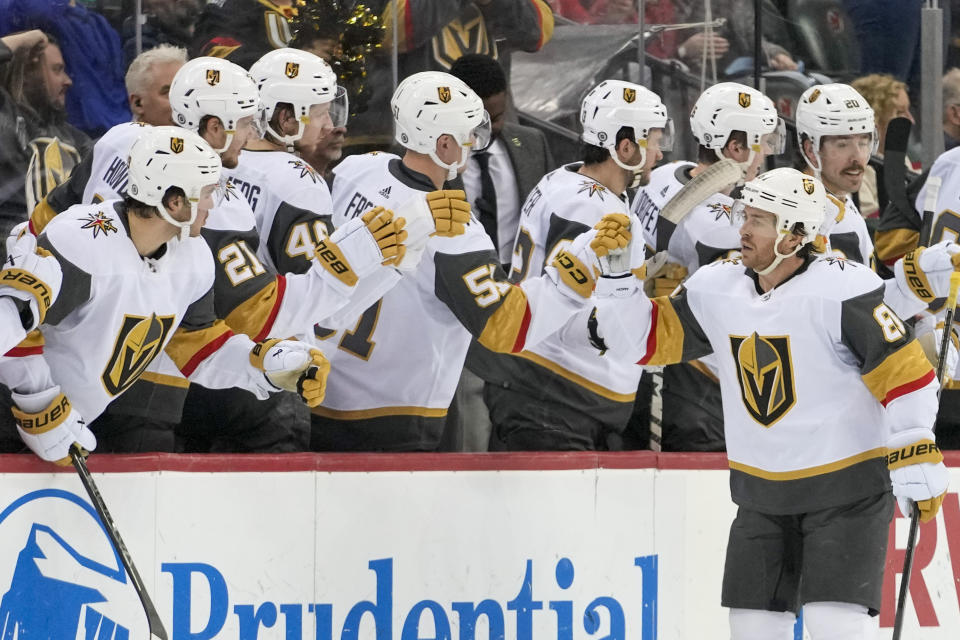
60, 577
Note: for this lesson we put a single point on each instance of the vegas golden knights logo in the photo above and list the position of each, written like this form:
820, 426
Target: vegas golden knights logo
139, 341
629, 95
765, 374
744, 100
808, 186
444, 93
176, 145
292, 69
813, 96
213, 77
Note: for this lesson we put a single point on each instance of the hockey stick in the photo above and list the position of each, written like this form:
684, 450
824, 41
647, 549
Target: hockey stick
894, 163
929, 209
715, 178
153, 618
915, 510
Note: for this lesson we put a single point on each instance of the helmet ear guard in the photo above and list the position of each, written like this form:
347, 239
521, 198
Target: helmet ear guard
208, 86
166, 157
430, 104
833, 110
794, 198
615, 104
302, 80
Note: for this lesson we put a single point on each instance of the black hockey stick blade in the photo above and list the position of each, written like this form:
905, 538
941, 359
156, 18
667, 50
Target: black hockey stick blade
894, 163
157, 631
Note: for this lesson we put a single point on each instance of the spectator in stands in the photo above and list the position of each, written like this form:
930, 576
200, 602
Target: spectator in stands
951, 109
243, 30
92, 50
38, 147
148, 83
166, 22
888, 98
733, 42
624, 11
432, 34
497, 181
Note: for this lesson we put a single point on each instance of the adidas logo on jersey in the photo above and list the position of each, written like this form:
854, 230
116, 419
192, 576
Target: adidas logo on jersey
385, 192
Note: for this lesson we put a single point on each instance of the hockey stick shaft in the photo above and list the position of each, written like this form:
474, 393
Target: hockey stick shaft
153, 618
915, 510
929, 209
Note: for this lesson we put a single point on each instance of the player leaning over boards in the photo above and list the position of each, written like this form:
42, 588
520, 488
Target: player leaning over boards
731, 122
137, 280
799, 337
399, 363
553, 396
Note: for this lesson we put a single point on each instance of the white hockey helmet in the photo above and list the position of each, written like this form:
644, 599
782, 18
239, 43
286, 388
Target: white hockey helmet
301, 79
793, 197
729, 106
833, 110
208, 86
430, 104
166, 157
614, 104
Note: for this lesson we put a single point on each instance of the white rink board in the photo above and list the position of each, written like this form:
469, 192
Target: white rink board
567, 554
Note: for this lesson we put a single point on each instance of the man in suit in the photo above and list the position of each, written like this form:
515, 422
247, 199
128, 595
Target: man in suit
497, 180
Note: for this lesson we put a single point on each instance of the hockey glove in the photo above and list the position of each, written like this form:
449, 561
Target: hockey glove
451, 212
924, 273
575, 268
49, 426
917, 472
359, 246
664, 280
293, 366
32, 275
420, 226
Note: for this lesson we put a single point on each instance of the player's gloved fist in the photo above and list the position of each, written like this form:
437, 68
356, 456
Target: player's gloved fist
925, 271
32, 275
451, 211
287, 365
48, 425
917, 472
388, 232
665, 279
575, 268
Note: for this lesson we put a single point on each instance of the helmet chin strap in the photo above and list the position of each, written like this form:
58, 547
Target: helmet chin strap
636, 170
226, 145
744, 166
184, 226
287, 141
778, 257
452, 168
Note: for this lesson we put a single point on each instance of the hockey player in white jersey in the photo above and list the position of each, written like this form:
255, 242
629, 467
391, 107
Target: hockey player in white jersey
219, 100
552, 396
730, 121
137, 280
398, 364
291, 201
836, 135
797, 338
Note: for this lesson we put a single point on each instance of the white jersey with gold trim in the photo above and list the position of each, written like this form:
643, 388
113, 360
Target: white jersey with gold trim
563, 205
118, 311
291, 203
846, 230
665, 182
815, 375
403, 357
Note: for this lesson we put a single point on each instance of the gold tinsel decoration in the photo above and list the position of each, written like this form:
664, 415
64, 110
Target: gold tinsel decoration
357, 32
